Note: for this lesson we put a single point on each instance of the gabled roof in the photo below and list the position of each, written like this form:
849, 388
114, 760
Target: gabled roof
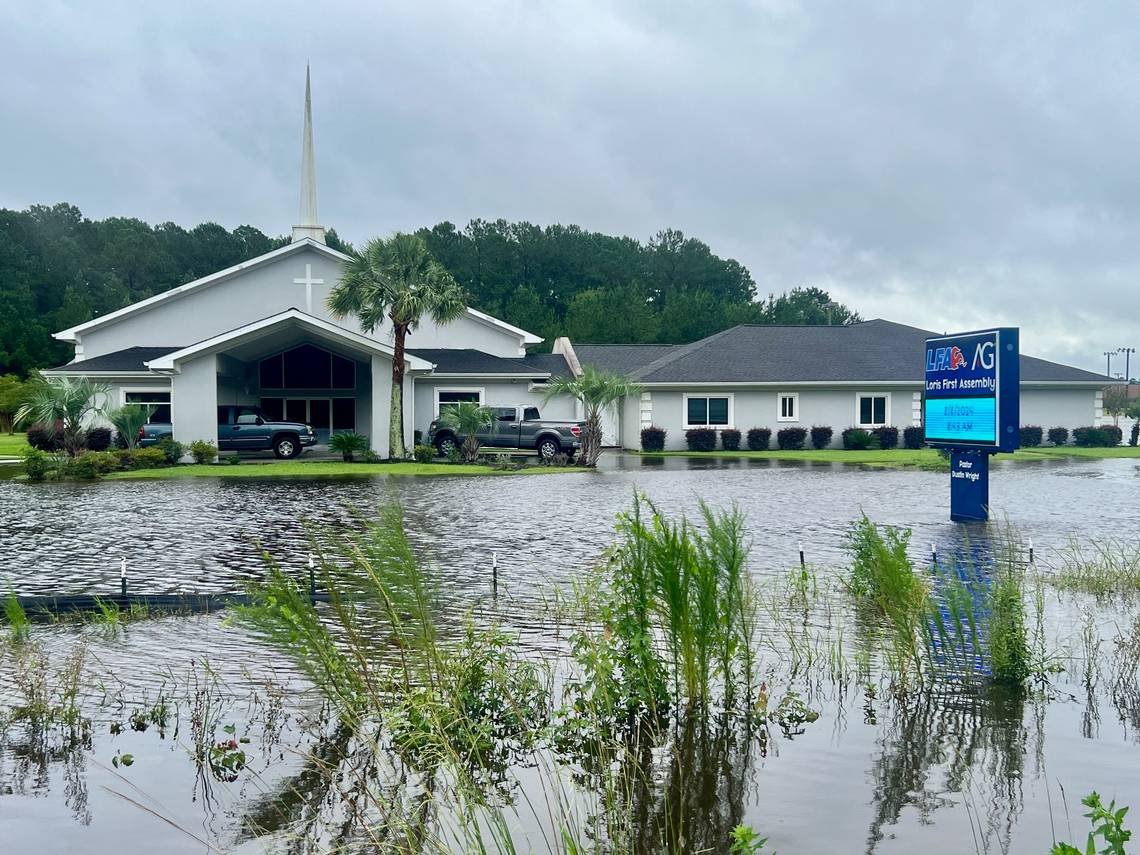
316, 326
483, 317
129, 361
621, 358
70, 333
871, 351
476, 362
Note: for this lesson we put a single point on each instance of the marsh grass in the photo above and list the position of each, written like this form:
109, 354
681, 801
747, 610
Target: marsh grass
1102, 567
16, 618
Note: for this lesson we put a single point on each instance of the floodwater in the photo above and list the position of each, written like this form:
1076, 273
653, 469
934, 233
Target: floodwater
947, 772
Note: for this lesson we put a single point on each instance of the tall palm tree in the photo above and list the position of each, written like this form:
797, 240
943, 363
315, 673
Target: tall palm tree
398, 280
596, 390
69, 401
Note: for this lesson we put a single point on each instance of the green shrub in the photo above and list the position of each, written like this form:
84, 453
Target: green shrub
348, 444
821, 436
45, 437
173, 451
203, 451
701, 439
102, 461
1030, 436
1058, 435
791, 439
730, 439
914, 437
1094, 437
147, 458
887, 436
36, 464
371, 456
759, 439
97, 439
82, 468
423, 453
857, 439
653, 438
233, 459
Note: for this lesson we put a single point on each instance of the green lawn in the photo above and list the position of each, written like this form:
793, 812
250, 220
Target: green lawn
317, 468
1073, 451
12, 444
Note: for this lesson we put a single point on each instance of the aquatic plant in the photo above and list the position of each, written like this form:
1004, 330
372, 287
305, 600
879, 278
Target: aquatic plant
1108, 824
1102, 567
16, 617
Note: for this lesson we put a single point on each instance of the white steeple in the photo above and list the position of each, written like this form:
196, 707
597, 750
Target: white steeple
308, 227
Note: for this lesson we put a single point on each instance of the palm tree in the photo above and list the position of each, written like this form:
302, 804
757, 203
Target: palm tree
398, 280
128, 420
596, 390
66, 400
467, 419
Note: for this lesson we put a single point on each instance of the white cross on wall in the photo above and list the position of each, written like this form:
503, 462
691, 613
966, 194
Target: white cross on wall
308, 282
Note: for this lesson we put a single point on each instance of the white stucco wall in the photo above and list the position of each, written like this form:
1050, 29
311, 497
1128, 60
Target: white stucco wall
194, 401
835, 408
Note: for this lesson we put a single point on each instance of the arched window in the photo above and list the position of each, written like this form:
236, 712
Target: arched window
307, 367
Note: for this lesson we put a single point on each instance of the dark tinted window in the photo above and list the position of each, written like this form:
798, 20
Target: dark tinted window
530, 414
718, 411
344, 414
308, 367
274, 408
224, 415
271, 374
343, 373
698, 413
159, 403
505, 414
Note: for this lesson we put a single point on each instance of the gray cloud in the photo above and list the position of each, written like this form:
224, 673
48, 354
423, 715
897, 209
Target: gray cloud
944, 165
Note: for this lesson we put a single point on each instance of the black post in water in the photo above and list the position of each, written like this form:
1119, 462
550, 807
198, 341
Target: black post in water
123, 576
312, 580
803, 562
1030, 553
495, 574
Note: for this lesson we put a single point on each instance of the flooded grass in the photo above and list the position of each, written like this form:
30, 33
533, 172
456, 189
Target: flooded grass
1105, 567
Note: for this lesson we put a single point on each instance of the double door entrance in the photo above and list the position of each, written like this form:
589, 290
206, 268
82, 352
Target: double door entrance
324, 414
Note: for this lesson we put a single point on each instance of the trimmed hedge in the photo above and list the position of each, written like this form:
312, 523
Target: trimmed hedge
888, 436
857, 439
914, 437
791, 439
701, 439
652, 439
1030, 436
759, 439
1058, 435
98, 439
1115, 431
730, 439
821, 436
1094, 437
1135, 437
44, 438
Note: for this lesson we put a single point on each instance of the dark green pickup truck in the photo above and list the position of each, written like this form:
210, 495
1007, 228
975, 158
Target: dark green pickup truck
242, 427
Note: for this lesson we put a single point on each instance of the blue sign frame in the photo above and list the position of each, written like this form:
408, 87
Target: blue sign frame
972, 390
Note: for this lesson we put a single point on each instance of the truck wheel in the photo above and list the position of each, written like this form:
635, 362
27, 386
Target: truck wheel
286, 447
548, 447
445, 445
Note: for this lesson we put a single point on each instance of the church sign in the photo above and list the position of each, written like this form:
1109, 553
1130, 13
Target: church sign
972, 406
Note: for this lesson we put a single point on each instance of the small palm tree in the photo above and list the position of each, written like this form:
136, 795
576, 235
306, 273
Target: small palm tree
69, 401
596, 390
398, 280
467, 419
128, 421
348, 444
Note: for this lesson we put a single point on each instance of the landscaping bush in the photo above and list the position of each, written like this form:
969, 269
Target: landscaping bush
98, 439
170, 449
202, 451
914, 437
1115, 432
102, 461
759, 439
652, 439
1093, 437
857, 439
1030, 436
233, 459
423, 453
1058, 435
1132, 439
371, 456
730, 440
791, 439
348, 444
82, 468
36, 464
821, 436
888, 436
44, 438
701, 439
417, 438
154, 458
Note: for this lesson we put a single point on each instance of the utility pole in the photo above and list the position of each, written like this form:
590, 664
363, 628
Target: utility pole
1127, 351
1108, 354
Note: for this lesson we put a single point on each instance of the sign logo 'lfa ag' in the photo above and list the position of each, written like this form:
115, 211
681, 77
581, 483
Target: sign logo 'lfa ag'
952, 358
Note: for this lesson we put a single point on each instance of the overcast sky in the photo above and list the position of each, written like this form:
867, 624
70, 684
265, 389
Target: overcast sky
947, 165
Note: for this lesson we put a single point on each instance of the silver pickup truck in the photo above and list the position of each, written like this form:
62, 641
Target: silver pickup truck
516, 427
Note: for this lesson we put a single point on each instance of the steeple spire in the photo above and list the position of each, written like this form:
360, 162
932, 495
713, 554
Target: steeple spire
308, 226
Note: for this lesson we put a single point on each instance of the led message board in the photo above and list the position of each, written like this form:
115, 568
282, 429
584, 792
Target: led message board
971, 397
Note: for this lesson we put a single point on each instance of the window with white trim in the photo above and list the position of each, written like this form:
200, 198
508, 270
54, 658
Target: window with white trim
713, 411
158, 401
449, 397
873, 410
788, 407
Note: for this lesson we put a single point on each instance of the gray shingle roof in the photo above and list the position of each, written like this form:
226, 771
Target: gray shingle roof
468, 361
621, 358
870, 351
553, 364
131, 359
